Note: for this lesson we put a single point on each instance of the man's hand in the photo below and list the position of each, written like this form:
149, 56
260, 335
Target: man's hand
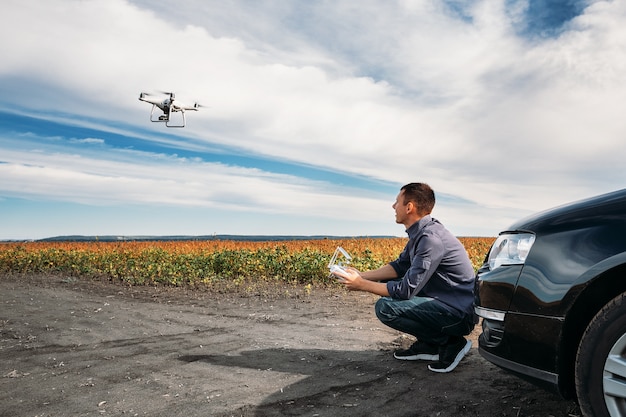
349, 277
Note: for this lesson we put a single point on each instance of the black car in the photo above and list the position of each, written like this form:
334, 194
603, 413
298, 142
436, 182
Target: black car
552, 298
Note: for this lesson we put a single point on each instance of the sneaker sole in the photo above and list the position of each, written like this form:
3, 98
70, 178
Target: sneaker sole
419, 357
457, 359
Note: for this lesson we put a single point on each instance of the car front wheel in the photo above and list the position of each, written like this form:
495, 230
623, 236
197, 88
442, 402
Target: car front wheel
601, 362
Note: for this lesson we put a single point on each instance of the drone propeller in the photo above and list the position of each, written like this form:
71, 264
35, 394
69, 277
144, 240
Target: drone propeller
171, 94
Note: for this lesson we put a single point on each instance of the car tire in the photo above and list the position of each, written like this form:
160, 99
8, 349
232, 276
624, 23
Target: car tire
601, 362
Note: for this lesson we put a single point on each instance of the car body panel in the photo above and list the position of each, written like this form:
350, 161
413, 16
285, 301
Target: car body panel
497, 289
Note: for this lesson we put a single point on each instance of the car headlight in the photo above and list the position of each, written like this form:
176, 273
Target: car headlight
510, 249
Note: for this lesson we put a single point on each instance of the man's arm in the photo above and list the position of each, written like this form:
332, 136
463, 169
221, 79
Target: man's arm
383, 273
368, 281
427, 255
360, 284
354, 281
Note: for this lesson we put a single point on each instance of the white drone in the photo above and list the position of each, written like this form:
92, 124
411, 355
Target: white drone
168, 106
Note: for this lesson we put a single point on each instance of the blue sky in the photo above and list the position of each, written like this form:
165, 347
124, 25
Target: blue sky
315, 113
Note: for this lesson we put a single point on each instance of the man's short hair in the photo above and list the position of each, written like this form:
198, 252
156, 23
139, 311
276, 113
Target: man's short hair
421, 194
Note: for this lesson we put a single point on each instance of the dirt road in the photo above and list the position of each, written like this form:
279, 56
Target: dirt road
73, 348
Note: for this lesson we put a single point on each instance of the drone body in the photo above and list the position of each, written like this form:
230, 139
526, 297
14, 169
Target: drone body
168, 106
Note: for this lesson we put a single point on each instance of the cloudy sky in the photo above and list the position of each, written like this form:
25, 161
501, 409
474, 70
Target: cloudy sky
315, 113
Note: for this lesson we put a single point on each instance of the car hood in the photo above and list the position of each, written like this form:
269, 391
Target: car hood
579, 214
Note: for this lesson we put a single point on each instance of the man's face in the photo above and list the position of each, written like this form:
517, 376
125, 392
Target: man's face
400, 208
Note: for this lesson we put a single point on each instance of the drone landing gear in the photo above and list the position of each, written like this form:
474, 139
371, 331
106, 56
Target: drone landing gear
165, 117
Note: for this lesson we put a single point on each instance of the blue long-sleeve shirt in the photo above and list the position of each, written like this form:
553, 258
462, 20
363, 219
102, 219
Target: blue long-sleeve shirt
434, 263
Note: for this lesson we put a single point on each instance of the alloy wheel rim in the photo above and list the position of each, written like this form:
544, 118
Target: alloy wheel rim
614, 379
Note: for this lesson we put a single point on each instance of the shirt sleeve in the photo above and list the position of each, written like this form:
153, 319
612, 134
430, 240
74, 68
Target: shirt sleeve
427, 255
403, 263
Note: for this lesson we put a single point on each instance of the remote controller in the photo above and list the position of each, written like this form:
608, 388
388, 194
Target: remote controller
336, 268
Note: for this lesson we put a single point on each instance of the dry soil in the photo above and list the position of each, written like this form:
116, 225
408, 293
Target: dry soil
75, 348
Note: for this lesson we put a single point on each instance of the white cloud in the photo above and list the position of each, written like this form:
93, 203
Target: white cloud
115, 177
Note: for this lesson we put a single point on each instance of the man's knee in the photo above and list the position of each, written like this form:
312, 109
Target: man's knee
462, 328
383, 312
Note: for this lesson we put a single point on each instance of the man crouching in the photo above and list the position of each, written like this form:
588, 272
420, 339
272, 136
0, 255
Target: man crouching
428, 291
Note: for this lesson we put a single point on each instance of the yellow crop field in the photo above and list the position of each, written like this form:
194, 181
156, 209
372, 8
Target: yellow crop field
193, 263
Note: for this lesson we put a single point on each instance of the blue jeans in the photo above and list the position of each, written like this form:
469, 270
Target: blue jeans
425, 318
